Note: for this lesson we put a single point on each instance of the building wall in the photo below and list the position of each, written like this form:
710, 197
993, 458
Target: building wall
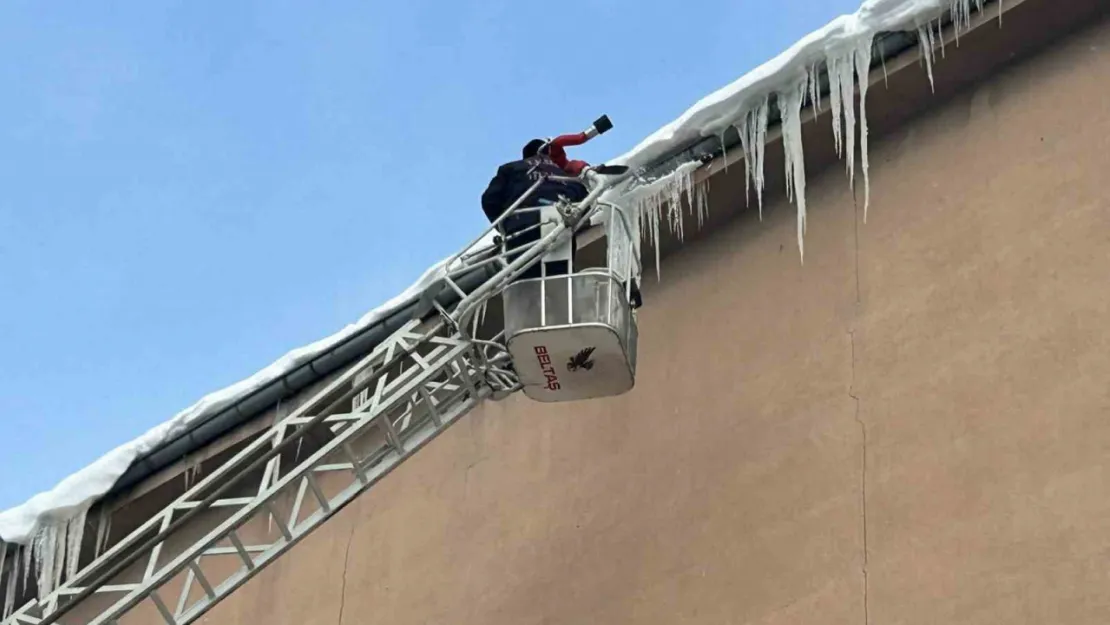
910, 428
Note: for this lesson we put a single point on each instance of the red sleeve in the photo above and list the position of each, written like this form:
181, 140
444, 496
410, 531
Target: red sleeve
559, 155
563, 141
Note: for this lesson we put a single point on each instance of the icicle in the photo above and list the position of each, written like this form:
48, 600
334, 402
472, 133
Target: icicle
741, 130
653, 224
925, 38
940, 38
960, 10
999, 13
815, 89
75, 533
753, 138
702, 191
195, 473
44, 546
790, 104
863, 66
10, 589
61, 539
842, 86
674, 216
56, 551
886, 80
4, 560
103, 530
648, 202
848, 90
28, 558
836, 98
724, 150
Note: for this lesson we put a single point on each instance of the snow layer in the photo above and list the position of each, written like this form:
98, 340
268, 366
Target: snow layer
52, 521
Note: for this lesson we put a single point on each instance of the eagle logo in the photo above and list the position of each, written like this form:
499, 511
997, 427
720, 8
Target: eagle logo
581, 360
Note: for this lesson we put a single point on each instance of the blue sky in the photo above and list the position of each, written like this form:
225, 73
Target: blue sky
191, 189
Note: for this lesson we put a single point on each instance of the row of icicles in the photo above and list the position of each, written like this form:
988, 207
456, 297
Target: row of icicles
847, 68
53, 555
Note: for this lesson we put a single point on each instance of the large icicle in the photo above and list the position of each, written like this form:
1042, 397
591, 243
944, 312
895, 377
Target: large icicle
863, 70
103, 530
75, 533
928, 51
13, 580
836, 102
44, 547
3, 563
790, 104
753, 140
842, 88
28, 559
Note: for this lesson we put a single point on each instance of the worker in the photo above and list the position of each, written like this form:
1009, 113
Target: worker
540, 158
513, 180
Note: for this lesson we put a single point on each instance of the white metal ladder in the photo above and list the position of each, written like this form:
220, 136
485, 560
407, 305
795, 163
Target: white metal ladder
305, 468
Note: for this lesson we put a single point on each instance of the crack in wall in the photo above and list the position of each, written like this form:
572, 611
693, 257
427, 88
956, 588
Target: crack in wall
346, 560
863, 479
859, 420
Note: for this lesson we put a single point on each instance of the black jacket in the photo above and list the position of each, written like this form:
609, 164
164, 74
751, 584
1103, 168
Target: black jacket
513, 180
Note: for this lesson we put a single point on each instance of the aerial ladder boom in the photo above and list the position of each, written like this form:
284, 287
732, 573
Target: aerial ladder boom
349, 435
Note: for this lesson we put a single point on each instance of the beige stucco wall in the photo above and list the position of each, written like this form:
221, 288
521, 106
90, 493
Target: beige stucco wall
910, 428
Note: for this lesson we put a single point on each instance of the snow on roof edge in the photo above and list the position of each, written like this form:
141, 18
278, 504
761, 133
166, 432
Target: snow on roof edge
707, 117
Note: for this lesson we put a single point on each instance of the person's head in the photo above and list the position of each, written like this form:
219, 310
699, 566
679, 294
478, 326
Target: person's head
532, 148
